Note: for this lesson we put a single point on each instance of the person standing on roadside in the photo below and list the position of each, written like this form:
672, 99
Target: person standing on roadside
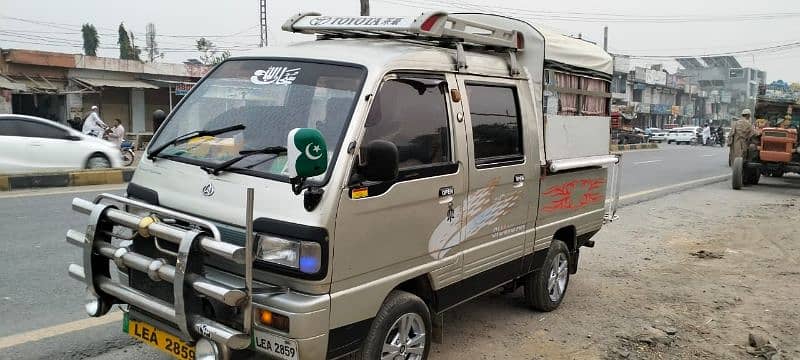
116, 134
739, 139
706, 134
93, 125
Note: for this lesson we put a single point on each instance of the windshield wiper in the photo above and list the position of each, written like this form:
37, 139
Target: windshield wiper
274, 150
194, 134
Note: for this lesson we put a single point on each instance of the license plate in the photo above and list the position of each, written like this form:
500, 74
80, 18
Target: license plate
278, 346
158, 339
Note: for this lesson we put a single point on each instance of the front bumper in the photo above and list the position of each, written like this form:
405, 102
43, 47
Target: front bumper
169, 286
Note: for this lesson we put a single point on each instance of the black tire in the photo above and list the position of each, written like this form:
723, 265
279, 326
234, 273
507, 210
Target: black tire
752, 176
98, 161
396, 305
737, 179
128, 157
537, 291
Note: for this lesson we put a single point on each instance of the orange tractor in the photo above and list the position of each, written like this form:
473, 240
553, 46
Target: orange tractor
775, 151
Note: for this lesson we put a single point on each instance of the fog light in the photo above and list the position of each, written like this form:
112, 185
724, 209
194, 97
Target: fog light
92, 306
206, 350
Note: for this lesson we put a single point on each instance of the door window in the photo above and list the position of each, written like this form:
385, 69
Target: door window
37, 130
411, 112
496, 124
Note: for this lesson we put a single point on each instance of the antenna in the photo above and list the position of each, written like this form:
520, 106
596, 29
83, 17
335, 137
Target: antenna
263, 14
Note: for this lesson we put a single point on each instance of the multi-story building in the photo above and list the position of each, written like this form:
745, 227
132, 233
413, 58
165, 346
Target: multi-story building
729, 87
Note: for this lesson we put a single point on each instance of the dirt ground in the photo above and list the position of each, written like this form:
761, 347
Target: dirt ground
687, 276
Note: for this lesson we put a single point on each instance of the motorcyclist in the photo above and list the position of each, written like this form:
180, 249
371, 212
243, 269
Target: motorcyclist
93, 125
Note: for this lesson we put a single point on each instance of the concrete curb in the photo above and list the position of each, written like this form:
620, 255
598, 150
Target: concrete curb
631, 147
66, 178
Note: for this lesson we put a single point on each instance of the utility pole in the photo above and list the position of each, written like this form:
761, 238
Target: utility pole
263, 14
605, 38
364, 7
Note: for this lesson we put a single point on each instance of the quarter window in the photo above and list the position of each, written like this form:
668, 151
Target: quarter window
496, 123
411, 112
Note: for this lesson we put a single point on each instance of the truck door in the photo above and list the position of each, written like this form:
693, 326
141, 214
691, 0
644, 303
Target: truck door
503, 181
385, 228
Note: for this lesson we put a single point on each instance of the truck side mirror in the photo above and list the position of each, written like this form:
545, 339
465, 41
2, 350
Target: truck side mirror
382, 161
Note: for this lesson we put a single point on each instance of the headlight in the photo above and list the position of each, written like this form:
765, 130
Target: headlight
304, 256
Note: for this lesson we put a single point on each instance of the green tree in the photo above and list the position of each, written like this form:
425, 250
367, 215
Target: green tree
91, 41
127, 49
209, 53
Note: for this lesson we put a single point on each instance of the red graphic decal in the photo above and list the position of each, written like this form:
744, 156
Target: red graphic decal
575, 194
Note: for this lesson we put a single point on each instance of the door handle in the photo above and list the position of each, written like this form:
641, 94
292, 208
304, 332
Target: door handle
446, 195
519, 181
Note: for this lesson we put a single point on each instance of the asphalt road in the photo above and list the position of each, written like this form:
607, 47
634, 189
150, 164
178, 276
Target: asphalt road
41, 307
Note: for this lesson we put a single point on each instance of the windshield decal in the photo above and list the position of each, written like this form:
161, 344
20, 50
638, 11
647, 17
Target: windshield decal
275, 75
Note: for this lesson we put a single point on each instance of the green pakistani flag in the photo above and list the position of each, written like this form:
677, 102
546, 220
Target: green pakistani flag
307, 155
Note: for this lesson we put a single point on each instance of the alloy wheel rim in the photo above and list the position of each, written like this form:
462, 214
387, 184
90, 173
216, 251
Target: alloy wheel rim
99, 163
406, 339
557, 281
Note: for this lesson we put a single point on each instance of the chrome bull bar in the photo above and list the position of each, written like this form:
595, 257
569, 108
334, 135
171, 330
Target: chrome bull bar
200, 237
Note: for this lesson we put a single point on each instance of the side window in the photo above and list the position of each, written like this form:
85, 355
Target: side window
8, 127
496, 123
37, 130
411, 112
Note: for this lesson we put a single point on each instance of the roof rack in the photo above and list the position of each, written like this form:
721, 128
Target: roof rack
437, 28
433, 26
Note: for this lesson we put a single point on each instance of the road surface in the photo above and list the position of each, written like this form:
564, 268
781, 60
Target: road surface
43, 316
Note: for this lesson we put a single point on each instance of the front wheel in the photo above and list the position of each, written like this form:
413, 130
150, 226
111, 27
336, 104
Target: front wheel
545, 288
401, 330
98, 162
737, 178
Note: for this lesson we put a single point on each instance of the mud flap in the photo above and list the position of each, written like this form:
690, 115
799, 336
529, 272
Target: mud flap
573, 261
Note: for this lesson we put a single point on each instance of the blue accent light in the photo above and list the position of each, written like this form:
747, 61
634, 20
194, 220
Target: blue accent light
309, 265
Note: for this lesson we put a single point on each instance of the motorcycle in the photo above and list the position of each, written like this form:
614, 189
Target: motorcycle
128, 155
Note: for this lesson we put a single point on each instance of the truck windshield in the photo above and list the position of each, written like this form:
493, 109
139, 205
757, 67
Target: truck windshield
268, 97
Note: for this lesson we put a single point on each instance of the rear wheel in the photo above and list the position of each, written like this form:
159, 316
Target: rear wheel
401, 330
545, 289
128, 157
737, 179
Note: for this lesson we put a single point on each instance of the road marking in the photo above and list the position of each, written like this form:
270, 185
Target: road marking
710, 155
676, 186
61, 191
56, 330
647, 162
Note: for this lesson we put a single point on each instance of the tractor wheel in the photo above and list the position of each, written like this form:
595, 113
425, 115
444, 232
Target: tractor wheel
737, 180
753, 176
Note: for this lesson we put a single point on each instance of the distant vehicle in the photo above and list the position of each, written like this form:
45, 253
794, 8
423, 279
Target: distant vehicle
656, 135
682, 136
32, 144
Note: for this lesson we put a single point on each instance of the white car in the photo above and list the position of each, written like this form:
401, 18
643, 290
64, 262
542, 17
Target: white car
682, 136
657, 135
30, 144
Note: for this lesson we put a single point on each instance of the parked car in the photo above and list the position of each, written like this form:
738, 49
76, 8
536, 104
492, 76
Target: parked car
682, 136
32, 144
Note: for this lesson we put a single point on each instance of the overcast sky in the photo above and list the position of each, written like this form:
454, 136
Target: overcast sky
675, 27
